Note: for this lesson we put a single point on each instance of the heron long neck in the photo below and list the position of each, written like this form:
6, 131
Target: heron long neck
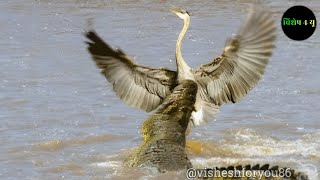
183, 68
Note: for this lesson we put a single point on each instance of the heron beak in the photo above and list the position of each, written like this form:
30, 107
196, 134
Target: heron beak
174, 10
178, 11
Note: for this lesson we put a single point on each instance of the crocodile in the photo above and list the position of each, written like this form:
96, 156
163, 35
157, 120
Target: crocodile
164, 139
248, 172
164, 132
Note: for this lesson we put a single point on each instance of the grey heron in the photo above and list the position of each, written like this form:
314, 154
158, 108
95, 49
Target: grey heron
227, 78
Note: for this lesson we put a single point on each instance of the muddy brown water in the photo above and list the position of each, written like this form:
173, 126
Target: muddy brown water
60, 119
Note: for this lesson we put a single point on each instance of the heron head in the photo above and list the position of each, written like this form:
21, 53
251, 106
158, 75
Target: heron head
183, 14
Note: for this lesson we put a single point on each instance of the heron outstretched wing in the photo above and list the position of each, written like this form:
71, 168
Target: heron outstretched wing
244, 59
138, 86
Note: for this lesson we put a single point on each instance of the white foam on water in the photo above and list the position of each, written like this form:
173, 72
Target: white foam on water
250, 147
311, 170
250, 144
109, 164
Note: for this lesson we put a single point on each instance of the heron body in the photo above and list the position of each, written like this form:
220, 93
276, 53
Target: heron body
227, 78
